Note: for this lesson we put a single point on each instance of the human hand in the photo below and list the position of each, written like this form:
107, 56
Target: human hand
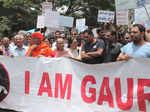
33, 47
125, 57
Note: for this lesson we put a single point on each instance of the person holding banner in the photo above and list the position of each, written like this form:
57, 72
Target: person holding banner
38, 48
93, 49
138, 48
20, 49
60, 51
112, 47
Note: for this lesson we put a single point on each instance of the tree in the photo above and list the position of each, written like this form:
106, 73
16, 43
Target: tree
24, 12
22, 18
85, 8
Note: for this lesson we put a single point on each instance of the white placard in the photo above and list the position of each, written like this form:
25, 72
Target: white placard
51, 19
46, 6
122, 17
80, 25
140, 15
66, 21
40, 22
105, 16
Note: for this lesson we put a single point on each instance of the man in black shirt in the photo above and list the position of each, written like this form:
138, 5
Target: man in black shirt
92, 49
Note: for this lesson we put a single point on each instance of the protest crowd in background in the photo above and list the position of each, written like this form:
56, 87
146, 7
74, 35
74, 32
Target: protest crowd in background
84, 46
105, 47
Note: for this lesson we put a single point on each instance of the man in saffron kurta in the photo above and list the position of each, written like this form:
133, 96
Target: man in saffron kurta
39, 48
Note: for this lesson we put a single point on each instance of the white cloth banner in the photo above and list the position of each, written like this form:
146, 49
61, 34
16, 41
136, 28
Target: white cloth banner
105, 16
56, 85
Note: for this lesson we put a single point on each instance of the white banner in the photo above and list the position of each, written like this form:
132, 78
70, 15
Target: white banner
56, 85
105, 16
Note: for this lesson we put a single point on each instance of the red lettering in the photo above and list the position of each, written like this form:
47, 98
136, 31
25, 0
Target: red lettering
124, 106
108, 97
92, 91
27, 82
48, 89
141, 95
67, 84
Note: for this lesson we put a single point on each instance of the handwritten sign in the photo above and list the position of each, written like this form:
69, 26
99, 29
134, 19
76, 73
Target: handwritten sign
105, 16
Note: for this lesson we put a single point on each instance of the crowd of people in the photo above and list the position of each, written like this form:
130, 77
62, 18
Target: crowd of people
109, 45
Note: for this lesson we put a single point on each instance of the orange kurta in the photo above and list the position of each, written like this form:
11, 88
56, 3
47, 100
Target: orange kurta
42, 50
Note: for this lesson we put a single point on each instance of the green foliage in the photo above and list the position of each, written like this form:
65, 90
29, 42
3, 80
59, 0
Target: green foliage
4, 22
25, 17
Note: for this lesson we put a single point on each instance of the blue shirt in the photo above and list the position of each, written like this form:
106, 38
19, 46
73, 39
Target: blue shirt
19, 52
137, 51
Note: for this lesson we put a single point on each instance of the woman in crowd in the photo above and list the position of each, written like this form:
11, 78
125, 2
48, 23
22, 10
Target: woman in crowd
73, 48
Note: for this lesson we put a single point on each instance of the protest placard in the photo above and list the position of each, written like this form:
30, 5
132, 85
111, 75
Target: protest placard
40, 22
51, 19
140, 14
122, 17
130, 4
46, 6
105, 16
66, 21
80, 25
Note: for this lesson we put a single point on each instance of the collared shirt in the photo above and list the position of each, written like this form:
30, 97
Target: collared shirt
93, 48
137, 51
19, 52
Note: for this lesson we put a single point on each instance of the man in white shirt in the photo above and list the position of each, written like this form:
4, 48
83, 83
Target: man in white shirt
20, 49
